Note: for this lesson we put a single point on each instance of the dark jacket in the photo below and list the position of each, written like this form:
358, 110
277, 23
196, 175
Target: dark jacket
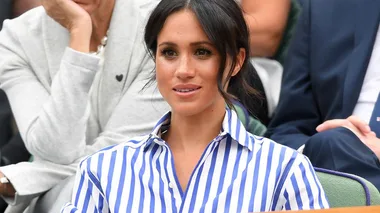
325, 66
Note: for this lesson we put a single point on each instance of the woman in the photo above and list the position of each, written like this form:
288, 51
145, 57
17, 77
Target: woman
73, 73
199, 157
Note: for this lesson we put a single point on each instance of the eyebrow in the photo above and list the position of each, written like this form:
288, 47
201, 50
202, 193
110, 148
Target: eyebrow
191, 44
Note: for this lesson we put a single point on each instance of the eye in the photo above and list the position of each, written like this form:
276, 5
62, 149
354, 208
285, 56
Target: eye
203, 52
169, 53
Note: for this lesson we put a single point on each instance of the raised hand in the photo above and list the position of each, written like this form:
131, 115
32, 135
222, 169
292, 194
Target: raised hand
74, 18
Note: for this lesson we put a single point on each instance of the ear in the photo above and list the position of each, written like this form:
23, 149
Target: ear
239, 61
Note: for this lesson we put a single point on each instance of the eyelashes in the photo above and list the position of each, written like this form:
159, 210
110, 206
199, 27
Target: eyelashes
169, 53
201, 53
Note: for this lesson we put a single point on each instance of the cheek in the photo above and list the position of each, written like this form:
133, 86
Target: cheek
165, 67
164, 73
209, 71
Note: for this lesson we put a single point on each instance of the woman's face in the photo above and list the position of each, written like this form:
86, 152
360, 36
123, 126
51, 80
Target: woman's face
187, 66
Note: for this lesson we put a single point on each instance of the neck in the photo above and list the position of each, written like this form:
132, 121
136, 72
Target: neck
101, 19
188, 133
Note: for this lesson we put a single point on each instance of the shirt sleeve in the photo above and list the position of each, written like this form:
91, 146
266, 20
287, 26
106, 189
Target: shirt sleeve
87, 193
302, 189
51, 117
41, 176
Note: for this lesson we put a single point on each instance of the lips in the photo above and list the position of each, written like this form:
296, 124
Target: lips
186, 88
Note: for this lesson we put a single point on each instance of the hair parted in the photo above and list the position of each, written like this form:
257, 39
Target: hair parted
225, 26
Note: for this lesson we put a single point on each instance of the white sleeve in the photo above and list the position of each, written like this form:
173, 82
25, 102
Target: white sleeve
31, 179
52, 123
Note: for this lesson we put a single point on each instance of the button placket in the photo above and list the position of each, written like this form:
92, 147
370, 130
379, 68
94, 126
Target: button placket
173, 187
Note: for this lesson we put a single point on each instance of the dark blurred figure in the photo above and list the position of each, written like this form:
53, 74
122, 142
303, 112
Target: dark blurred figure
5, 11
12, 148
330, 95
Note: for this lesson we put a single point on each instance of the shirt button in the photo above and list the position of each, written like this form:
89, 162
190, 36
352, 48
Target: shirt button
171, 185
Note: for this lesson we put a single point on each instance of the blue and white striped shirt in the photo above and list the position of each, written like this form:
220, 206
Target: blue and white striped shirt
238, 172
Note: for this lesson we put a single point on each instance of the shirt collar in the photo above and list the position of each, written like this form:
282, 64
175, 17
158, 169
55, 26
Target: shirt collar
231, 127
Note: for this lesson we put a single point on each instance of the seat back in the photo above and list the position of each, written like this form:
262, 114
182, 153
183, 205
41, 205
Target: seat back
345, 190
251, 124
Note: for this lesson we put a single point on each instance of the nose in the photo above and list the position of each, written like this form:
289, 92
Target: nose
185, 68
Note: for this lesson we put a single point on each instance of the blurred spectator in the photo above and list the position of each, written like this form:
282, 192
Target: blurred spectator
75, 80
12, 148
267, 21
5, 11
330, 104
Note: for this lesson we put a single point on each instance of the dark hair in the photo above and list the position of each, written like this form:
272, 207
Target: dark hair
224, 25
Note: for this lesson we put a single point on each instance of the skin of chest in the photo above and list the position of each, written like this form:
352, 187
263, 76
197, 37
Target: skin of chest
185, 163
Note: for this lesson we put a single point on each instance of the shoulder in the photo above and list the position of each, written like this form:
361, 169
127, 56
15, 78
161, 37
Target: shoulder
147, 4
26, 24
291, 165
338, 10
27, 31
290, 161
107, 157
275, 162
282, 155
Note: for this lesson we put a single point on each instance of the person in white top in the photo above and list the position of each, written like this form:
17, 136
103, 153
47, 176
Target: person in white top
73, 71
329, 104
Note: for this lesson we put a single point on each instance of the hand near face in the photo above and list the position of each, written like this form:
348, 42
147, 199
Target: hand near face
74, 18
67, 13
360, 128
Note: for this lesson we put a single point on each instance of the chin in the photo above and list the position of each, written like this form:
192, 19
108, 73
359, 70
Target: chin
187, 109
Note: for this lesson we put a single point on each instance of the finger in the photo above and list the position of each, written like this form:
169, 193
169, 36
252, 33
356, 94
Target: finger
358, 133
371, 141
360, 124
332, 124
370, 134
335, 123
